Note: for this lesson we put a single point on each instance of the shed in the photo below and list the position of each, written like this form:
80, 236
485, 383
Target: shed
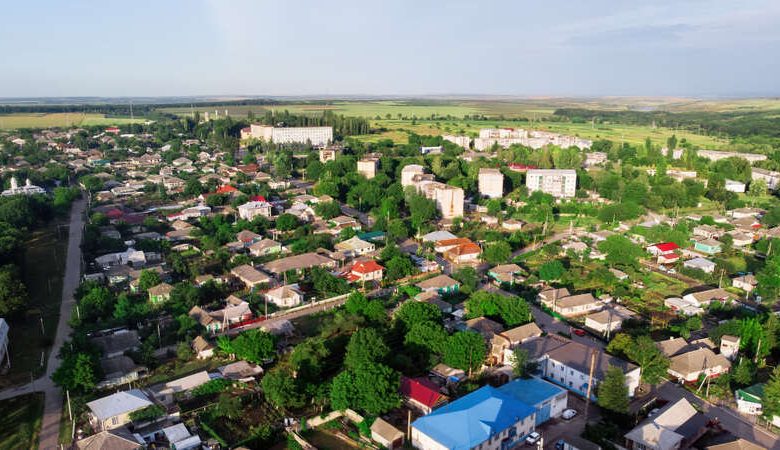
386, 435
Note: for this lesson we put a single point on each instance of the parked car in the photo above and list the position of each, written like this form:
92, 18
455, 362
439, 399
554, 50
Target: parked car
579, 332
533, 438
560, 444
569, 414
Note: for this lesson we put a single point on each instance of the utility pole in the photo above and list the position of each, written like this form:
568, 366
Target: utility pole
590, 382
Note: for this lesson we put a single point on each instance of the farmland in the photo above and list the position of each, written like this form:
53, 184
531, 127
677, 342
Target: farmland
52, 120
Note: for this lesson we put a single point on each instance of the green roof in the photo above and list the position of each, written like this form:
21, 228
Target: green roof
751, 393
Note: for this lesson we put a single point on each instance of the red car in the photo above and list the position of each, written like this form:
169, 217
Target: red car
579, 332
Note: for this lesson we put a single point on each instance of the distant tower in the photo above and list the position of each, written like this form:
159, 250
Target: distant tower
14, 183
27, 182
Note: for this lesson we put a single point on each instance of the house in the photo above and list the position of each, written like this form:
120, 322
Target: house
729, 346
442, 284
487, 419
575, 305
179, 437
689, 366
250, 210
568, 363
235, 311
512, 224
704, 298
247, 237
436, 236
119, 370
447, 373
676, 426
459, 250
354, 247
166, 392
699, 263
433, 298
265, 247
116, 343
665, 252
250, 276
422, 394
240, 371
608, 320
708, 231
505, 273
119, 439
299, 263
286, 296
484, 326
708, 246
549, 296
505, 342
365, 271
386, 435
750, 400
619, 274
745, 282
202, 348
734, 444
547, 399
735, 186
689, 308
160, 293
113, 411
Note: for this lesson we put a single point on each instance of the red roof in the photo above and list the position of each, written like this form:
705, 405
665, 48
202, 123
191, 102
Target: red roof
667, 246
257, 198
366, 267
421, 390
114, 213
520, 167
226, 189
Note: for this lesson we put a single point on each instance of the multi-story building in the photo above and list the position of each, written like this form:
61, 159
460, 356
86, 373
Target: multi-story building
594, 159
463, 141
771, 177
556, 182
504, 137
368, 167
715, 155
491, 183
318, 136
449, 199
329, 154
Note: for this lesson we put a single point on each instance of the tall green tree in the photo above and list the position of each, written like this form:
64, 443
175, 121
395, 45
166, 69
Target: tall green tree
465, 350
613, 392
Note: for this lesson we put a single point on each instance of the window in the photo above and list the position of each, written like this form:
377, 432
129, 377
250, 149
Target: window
114, 421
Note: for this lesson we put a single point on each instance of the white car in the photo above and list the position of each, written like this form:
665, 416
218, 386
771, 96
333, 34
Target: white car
532, 438
568, 414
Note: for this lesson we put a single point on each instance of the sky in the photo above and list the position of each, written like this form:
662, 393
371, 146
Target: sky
111, 48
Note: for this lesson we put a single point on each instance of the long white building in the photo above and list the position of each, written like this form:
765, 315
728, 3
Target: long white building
318, 136
535, 139
560, 183
771, 177
449, 199
715, 155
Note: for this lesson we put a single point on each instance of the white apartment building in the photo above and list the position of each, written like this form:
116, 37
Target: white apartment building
594, 159
715, 155
771, 177
250, 210
328, 154
368, 167
449, 199
560, 183
318, 136
463, 141
491, 183
505, 137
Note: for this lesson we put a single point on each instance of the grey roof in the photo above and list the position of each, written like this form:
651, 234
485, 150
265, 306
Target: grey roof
119, 439
119, 403
574, 355
440, 281
297, 262
118, 342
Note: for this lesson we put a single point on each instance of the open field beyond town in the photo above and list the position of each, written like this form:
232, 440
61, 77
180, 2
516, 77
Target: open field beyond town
50, 120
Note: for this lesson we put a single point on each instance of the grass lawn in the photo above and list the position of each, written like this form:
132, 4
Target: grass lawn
44, 264
47, 120
20, 421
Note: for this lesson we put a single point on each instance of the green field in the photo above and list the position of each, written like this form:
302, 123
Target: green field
63, 120
20, 421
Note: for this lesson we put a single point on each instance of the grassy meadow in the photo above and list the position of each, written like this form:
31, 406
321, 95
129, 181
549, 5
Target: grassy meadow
62, 120
20, 421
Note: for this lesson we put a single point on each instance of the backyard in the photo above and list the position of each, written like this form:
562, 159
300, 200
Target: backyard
20, 421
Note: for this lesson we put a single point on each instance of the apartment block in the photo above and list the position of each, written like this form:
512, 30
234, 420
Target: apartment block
560, 183
368, 167
491, 183
449, 199
318, 136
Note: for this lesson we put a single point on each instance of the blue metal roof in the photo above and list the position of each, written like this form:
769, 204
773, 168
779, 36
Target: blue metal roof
473, 419
531, 391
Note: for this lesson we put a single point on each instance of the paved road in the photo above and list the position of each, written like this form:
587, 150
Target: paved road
291, 315
52, 410
729, 419
529, 248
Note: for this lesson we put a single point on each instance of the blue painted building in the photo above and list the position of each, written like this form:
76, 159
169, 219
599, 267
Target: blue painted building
547, 399
488, 418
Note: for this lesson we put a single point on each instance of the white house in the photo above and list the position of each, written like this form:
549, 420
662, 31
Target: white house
699, 263
735, 186
286, 296
354, 247
113, 411
250, 210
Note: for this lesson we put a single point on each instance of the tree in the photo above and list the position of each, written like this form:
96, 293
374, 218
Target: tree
511, 310
371, 388
551, 270
308, 357
78, 372
430, 336
147, 414
465, 350
280, 388
286, 222
613, 392
758, 189
468, 278
768, 279
497, 252
356, 303
421, 210
620, 251
771, 400
365, 347
13, 293
412, 312
327, 210
148, 278
653, 363
327, 285
254, 345
227, 406
620, 345
745, 372
519, 362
